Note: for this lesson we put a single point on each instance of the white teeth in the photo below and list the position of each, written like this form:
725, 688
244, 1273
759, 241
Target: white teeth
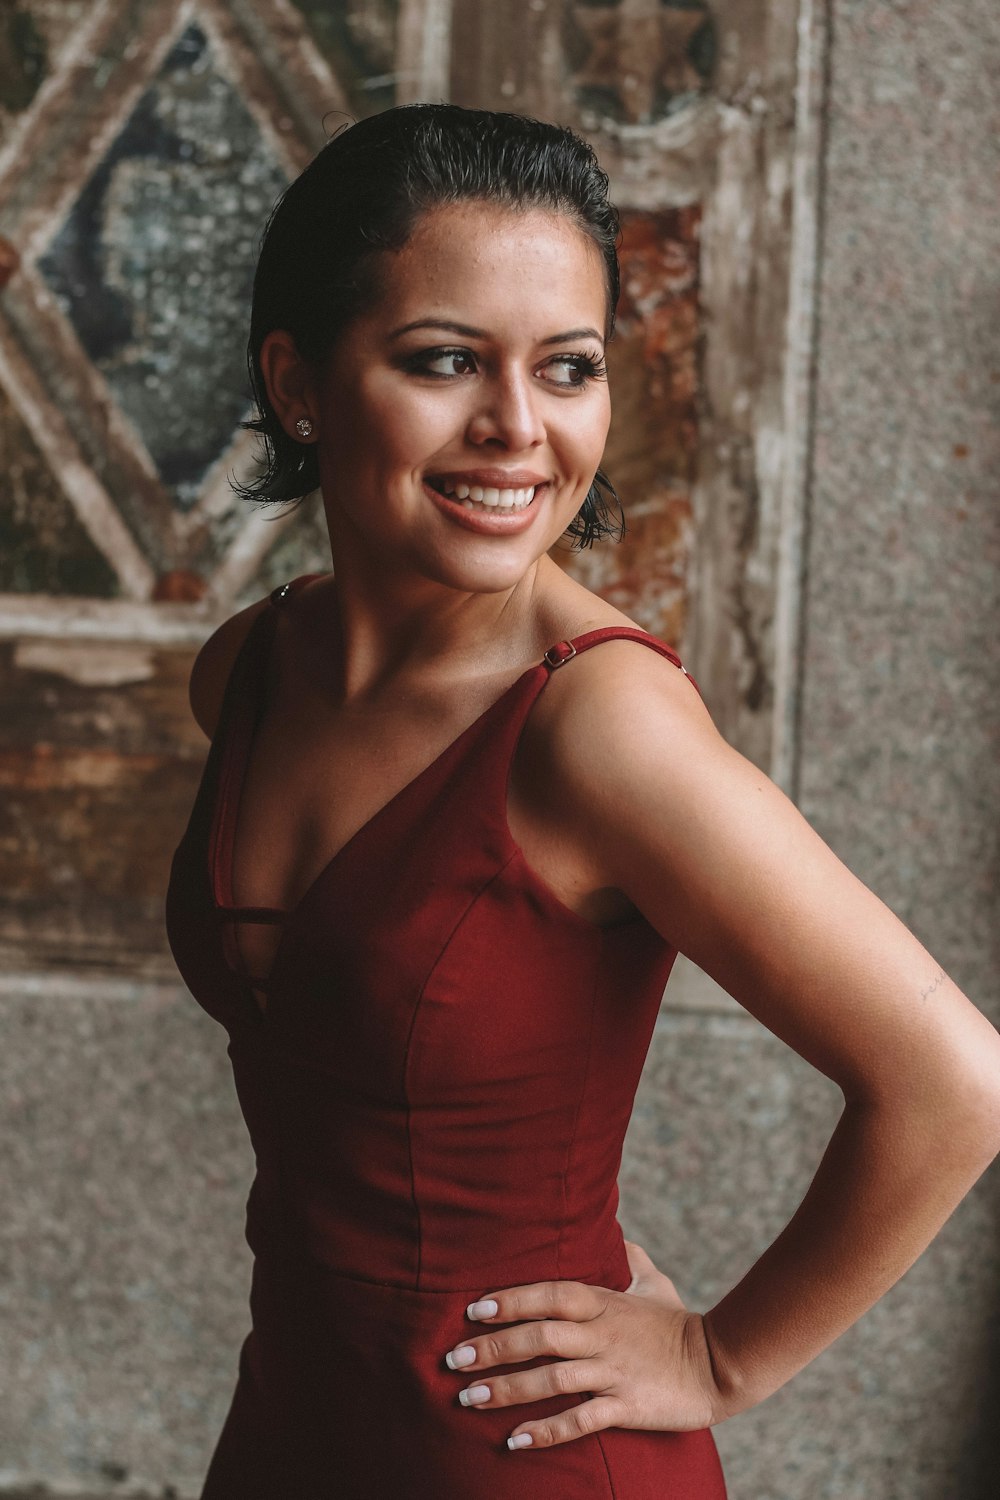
474, 495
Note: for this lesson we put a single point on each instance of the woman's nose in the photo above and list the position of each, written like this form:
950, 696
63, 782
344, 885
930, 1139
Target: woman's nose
508, 413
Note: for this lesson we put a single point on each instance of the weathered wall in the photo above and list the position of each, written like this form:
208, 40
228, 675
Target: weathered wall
125, 1273
900, 724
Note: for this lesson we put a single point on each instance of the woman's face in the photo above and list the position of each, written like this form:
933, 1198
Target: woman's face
462, 416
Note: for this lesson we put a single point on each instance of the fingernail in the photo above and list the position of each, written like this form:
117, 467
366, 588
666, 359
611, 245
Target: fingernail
485, 1309
474, 1395
519, 1440
456, 1358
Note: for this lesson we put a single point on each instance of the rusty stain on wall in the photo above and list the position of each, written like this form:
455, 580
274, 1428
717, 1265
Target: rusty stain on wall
652, 449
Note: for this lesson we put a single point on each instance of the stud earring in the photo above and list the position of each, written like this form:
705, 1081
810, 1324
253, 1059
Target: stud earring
303, 427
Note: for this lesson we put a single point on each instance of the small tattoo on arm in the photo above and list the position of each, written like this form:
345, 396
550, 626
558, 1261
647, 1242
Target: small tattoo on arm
935, 984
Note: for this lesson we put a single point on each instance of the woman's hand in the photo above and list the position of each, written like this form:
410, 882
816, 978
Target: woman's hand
640, 1356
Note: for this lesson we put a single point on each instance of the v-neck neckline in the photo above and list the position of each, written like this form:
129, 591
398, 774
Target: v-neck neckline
239, 732
242, 710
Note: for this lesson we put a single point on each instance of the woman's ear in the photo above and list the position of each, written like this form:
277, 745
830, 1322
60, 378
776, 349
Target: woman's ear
290, 384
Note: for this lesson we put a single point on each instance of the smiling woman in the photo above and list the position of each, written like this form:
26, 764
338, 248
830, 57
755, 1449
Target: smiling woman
441, 862
518, 412
318, 267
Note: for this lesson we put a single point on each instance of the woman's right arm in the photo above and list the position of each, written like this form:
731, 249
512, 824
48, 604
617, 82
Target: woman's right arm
214, 663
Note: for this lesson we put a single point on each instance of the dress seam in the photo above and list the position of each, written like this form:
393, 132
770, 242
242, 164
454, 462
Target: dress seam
607, 1467
571, 1147
476, 896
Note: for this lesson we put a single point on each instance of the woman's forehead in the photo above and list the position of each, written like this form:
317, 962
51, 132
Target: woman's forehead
494, 256
488, 230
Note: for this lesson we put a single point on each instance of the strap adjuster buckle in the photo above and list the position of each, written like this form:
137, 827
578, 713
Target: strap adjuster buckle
561, 652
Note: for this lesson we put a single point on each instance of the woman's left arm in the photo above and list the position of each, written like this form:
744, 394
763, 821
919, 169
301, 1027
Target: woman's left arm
724, 866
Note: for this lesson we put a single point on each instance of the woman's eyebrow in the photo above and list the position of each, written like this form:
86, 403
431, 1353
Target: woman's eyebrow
480, 333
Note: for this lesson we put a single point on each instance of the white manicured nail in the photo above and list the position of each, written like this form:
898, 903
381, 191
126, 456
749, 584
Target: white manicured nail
485, 1309
474, 1395
520, 1440
456, 1358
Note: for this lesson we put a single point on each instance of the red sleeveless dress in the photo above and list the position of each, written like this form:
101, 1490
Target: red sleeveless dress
437, 1093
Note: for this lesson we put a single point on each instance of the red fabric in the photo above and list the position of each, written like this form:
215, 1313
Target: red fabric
437, 1095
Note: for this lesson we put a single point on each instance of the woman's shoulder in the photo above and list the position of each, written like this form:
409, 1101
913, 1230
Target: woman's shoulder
621, 684
214, 663
610, 743
622, 697
620, 664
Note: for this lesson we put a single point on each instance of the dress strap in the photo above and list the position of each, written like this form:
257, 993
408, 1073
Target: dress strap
564, 651
241, 705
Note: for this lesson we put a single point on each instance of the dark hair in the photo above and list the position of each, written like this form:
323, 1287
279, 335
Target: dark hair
364, 192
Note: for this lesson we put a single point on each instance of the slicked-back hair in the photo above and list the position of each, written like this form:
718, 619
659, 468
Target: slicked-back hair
363, 193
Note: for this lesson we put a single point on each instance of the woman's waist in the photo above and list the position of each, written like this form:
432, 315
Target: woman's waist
433, 1248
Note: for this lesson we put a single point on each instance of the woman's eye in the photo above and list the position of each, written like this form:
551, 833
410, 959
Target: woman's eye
444, 362
576, 369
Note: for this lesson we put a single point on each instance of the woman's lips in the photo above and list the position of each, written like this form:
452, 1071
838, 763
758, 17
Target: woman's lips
486, 520
497, 478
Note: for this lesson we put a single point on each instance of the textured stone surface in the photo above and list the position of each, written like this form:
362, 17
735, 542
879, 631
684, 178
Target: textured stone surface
158, 147
721, 1102
43, 546
99, 764
23, 59
901, 719
154, 264
124, 1273
357, 37
32, 37
639, 62
900, 734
